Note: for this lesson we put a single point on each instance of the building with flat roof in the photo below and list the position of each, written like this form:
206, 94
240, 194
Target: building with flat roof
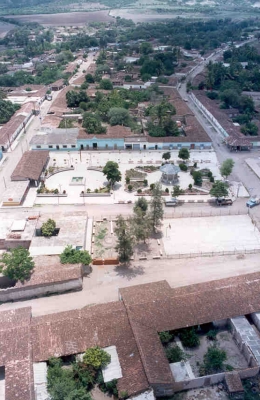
56, 139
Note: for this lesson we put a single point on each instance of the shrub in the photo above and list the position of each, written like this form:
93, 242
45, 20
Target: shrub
183, 167
74, 256
175, 354
165, 336
214, 359
152, 186
209, 174
190, 186
56, 191
96, 357
96, 190
139, 191
145, 182
123, 394
212, 334
195, 165
212, 179
130, 188
88, 190
166, 190
189, 338
127, 180
48, 227
197, 176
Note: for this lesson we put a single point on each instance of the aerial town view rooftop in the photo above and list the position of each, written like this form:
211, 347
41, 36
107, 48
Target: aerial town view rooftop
129, 200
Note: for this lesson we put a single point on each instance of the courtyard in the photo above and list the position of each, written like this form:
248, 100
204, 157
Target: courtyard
88, 167
209, 234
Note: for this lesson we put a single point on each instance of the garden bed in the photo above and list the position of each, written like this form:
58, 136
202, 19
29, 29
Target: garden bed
134, 174
103, 240
148, 168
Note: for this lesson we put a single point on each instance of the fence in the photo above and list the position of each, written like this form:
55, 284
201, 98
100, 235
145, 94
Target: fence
173, 213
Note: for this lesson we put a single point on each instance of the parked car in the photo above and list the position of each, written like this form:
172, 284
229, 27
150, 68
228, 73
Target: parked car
171, 203
253, 202
224, 202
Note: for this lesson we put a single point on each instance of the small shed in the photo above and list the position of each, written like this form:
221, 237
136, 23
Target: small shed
16, 193
169, 173
234, 385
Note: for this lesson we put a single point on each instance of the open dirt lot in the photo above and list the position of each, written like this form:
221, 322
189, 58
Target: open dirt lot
65, 19
209, 234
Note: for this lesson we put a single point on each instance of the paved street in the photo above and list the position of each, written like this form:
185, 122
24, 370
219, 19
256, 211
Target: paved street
241, 171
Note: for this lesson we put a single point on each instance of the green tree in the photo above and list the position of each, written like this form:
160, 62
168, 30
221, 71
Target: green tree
156, 206
197, 176
7, 109
219, 189
142, 204
249, 129
17, 264
227, 167
184, 154
89, 78
92, 123
141, 226
74, 256
118, 116
125, 240
177, 191
146, 48
48, 227
166, 156
96, 357
106, 84
112, 173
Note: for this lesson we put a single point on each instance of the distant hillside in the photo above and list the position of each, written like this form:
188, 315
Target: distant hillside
21, 3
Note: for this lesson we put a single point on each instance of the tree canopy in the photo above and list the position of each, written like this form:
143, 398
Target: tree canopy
125, 240
74, 256
7, 109
227, 167
112, 173
219, 189
17, 264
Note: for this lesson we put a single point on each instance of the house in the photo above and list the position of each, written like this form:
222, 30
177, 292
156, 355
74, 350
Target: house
31, 167
58, 85
16, 125
56, 139
131, 326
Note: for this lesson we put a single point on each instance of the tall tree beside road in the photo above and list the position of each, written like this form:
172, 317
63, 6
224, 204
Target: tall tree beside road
227, 167
219, 189
17, 264
142, 204
112, 173
140, 224
156, 206
125, 240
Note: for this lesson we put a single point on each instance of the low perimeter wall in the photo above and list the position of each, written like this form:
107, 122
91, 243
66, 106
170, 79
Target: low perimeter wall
28, 292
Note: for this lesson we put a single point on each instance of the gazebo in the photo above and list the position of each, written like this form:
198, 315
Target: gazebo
169, 173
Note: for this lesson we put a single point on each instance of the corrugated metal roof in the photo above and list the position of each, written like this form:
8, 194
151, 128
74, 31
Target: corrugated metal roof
112, 370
